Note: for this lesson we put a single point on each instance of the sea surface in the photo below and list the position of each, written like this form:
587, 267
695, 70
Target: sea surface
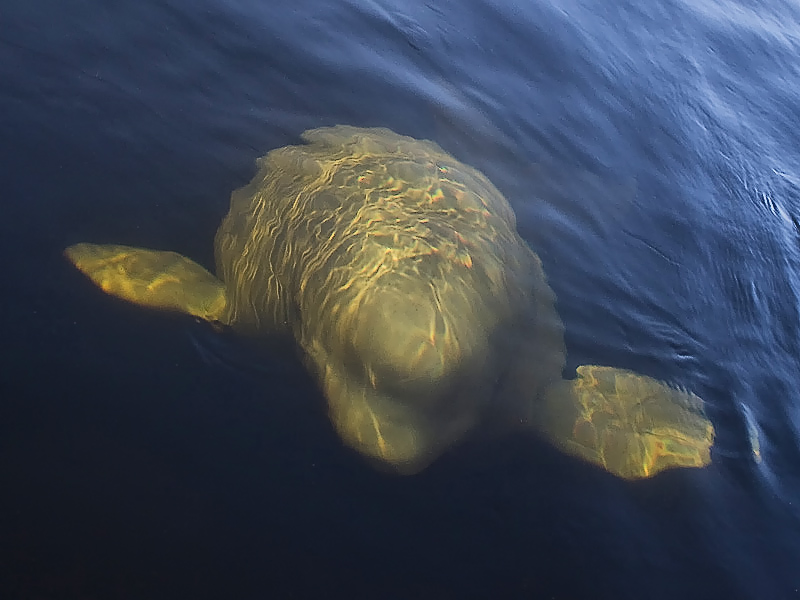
651, 152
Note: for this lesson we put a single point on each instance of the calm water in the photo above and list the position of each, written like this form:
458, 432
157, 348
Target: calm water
652, 154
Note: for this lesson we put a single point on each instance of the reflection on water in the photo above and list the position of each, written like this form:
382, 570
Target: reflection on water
649, 152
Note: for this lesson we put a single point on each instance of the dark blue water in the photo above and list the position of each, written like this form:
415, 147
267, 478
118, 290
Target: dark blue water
652, 155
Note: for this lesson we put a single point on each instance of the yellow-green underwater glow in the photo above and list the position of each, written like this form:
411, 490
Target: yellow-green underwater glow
632, 425
399, 272
164, 280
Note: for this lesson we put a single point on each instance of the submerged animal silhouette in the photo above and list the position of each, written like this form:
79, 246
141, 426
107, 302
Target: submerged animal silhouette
420, 310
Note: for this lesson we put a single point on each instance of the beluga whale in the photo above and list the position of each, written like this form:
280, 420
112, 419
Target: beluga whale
416, 305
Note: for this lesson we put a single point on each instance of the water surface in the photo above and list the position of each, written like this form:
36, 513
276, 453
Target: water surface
650, 151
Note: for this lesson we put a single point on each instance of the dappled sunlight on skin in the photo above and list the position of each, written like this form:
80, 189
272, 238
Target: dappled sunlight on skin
399, 272
164, 280
632, 425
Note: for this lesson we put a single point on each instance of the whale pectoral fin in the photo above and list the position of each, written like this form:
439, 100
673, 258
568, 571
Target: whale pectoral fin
163, 280
631, 425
